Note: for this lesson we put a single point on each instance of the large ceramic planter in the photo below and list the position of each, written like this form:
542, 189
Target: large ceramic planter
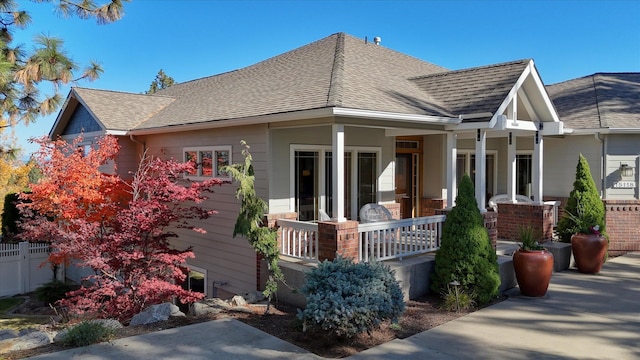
589, 252
533, 270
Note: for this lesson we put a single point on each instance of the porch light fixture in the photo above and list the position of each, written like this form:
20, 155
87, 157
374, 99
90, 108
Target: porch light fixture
626, 170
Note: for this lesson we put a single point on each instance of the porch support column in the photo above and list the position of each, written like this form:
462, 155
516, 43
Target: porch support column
452, 156
511, 167
537, 166
481, 169
337, 159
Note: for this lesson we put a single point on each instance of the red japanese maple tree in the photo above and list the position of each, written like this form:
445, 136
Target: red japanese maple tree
121, 230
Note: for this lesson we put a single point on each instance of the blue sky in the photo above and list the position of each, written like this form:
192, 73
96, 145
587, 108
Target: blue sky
190, 39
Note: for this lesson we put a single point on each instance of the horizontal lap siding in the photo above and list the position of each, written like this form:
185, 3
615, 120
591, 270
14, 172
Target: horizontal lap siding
561, 158
226, 259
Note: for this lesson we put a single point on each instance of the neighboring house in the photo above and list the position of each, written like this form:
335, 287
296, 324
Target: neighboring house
332, 126
601, 115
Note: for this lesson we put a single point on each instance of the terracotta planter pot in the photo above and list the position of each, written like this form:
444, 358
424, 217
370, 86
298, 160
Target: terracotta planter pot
589, 252
533, 271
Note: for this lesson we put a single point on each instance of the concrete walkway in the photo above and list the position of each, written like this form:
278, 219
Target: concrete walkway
581, 317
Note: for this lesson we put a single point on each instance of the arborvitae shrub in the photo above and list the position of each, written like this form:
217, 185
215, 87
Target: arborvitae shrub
465, 253
345, 298
584, 203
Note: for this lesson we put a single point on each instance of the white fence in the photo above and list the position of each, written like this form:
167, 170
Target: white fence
396, 239
20, 267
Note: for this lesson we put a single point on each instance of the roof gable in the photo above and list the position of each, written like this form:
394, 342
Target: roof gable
475, 90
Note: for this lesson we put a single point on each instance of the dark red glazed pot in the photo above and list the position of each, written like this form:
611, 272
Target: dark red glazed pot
589, 252
533, 271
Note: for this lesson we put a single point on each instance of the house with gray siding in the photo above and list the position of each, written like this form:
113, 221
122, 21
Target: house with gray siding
601, 116
334, 125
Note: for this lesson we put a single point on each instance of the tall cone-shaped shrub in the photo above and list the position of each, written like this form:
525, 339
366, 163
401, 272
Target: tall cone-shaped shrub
466, 254
584, 204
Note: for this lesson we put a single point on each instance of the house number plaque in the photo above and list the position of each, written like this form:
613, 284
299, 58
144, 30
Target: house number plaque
624, 184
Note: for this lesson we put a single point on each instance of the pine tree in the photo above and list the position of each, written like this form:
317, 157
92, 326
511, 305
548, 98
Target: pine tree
466, 254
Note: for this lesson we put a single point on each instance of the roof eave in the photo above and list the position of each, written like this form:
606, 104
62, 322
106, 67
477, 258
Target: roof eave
301, 115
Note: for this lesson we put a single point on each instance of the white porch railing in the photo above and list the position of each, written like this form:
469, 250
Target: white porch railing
400, 238
298, 239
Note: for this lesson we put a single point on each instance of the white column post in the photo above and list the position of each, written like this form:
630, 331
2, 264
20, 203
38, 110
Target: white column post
452, 159
337, 159
481, 169
537, 166
511, 167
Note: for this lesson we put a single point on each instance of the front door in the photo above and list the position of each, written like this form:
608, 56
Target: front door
408, 176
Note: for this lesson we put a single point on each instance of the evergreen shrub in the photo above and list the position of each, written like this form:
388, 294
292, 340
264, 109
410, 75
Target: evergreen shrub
466, 254
87, 333
53, 291
584, 207
345, 298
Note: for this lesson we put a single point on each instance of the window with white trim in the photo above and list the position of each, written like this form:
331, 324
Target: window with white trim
209, 161
312, 177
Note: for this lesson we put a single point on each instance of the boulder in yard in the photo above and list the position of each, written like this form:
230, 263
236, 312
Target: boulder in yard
156, 313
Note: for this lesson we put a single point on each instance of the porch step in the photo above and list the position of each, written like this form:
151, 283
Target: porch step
506, 247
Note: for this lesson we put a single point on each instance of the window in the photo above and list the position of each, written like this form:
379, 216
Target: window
196, 281
466, 164
313, 178
208, 161
523, 174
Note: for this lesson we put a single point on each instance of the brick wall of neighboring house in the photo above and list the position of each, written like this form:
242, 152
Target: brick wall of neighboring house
623, 225
511, 217
428, 207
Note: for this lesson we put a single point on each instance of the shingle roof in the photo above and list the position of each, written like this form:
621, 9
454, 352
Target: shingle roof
121, 111
337, 71
601, 100
474, 90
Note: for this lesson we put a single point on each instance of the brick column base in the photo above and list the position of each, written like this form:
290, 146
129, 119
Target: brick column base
338, 238
511, 217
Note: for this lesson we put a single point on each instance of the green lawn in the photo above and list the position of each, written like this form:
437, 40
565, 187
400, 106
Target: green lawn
7, 304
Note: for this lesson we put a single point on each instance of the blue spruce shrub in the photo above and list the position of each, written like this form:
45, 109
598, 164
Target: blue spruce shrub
345, 298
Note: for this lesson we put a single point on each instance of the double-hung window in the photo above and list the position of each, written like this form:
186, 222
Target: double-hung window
208, 162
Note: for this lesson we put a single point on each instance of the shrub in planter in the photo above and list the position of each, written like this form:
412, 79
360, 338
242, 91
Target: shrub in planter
584, 207
345, 298
465, 253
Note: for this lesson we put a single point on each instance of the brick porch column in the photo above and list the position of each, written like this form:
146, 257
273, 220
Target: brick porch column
338, 238
513, 216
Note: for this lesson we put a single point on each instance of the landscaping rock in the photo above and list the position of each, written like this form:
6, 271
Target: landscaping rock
7, 334
208, 307
156, 313
254, 297
238, 301
31, 339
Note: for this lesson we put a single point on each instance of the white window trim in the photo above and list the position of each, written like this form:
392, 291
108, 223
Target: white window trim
322, 150
214, 164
